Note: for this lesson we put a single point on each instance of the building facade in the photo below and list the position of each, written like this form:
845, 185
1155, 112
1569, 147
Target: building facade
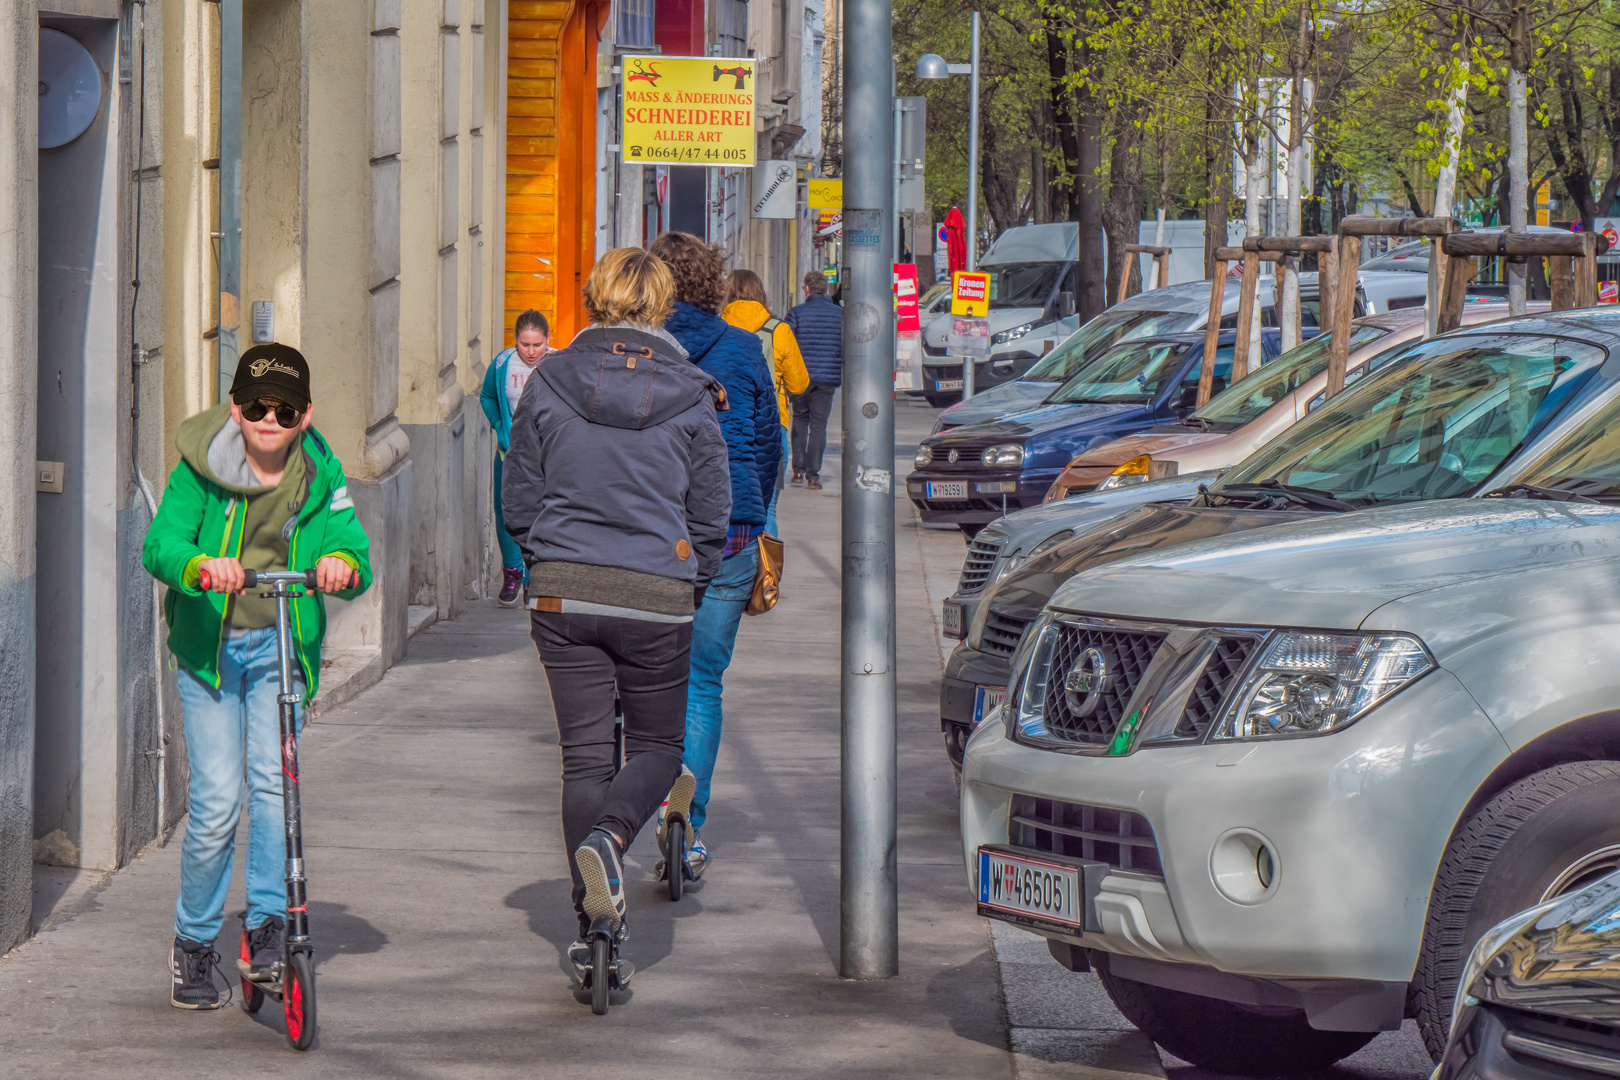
325, 173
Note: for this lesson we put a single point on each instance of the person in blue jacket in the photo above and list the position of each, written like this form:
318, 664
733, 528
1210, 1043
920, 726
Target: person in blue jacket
818, 324
503, 388
751, 423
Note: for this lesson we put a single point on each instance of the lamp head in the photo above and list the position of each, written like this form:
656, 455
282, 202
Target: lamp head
932, 66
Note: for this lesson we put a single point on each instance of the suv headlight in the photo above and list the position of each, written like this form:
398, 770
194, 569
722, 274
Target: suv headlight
1308, 683
1028, 709
1011, 333
1004, 455
1134, 471
925, 456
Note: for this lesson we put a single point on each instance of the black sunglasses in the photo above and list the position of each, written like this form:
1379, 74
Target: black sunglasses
286, 415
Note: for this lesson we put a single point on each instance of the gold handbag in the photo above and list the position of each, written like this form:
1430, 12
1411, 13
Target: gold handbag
768, 578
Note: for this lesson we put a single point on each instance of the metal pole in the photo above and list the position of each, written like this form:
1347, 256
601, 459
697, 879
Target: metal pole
969, 365
230, 191
870, 924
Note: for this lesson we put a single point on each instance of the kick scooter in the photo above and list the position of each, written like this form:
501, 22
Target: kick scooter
292, 979
604, 973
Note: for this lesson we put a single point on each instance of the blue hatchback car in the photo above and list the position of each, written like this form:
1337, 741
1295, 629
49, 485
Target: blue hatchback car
973, 474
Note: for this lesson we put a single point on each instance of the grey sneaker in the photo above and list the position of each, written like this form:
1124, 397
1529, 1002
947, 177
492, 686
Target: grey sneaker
678, 802
603, 874
697, 857
192, 966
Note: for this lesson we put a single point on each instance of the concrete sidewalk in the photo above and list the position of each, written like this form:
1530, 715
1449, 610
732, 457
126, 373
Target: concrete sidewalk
439, 884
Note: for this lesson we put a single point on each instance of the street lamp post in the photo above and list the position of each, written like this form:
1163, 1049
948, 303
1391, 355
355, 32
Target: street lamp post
933, 66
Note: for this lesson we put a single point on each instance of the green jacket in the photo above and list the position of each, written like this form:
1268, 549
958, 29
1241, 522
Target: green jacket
201, 518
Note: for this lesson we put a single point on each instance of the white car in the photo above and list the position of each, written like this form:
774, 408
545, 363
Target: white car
1273, 786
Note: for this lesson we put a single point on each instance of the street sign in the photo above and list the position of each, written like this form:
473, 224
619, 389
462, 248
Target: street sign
970, 293
824, 194
774, 190
688, 110
913, 150
906, 320
831, 274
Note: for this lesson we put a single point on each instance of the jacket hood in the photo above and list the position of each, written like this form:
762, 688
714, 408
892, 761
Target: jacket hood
747, 315
695, 329
211, 443
625, 378
1333, 571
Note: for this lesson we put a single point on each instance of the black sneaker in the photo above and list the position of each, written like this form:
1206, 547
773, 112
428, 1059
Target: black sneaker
193, 967
511, 584
603, 874
264, 946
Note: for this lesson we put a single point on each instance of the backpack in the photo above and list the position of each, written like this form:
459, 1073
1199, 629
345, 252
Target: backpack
767, 341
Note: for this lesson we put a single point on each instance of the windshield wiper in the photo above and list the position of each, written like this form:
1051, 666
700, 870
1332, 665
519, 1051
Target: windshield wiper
1552, 494
1276, 496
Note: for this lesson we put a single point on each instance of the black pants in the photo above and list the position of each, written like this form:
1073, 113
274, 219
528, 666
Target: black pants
587, 658
810, 412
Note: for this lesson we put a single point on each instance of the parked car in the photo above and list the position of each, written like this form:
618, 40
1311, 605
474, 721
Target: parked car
1540, 994
1385, 431
1273, 786
1245, 417
974, 474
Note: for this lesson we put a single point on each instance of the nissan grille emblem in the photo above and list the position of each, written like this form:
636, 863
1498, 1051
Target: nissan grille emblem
952, 456
1086, 681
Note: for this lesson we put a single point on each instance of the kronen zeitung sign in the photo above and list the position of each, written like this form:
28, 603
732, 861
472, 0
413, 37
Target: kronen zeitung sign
688, 110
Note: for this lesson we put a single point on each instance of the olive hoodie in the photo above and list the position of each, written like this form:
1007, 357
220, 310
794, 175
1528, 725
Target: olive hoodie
202, 517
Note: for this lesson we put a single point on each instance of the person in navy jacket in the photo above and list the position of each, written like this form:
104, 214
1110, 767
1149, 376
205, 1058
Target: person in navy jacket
818, 323
752, 427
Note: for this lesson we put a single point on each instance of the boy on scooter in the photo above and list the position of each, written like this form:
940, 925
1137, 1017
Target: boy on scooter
256, 487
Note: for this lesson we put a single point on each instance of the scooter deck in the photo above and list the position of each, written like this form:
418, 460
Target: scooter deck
271, 985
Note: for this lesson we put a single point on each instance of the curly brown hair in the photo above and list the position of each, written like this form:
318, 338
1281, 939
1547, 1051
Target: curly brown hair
699, 268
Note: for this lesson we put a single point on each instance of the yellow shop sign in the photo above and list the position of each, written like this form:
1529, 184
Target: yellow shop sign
688, 110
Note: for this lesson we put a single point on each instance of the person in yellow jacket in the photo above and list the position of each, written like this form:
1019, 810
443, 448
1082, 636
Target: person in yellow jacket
745, 307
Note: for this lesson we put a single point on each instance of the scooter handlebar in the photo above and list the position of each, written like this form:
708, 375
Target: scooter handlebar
252, 579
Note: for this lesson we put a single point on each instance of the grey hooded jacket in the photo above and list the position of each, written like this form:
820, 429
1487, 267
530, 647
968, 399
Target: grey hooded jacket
617, 486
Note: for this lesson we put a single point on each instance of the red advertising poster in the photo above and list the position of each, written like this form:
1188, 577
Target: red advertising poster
906, 320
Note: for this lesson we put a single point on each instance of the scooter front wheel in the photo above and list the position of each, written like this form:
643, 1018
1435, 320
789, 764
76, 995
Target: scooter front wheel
298, 1000
675, 857
601, 973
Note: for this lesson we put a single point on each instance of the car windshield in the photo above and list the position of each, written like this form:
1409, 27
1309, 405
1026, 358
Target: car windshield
1129, 374
1586, 462
1238, 405
1018, 285
1094, 338
1433, 425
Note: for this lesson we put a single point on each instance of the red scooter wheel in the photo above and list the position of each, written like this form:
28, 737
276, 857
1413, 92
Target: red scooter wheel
298, 1000
252, 996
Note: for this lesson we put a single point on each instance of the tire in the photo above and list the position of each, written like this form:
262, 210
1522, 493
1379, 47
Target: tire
298, 1000
252, 996
1543, 836
1227, 1038
601, 961
675, 857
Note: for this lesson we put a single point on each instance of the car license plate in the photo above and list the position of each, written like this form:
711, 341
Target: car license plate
953, 619
947, 489
985, 701
948, 384
1032, 889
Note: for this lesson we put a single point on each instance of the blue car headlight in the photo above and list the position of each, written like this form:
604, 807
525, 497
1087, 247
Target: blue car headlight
1003, 456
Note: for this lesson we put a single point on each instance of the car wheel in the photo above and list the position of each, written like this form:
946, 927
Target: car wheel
1548, 834
1225, 1037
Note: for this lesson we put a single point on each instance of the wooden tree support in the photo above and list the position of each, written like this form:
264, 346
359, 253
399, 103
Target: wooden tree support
1161, 267
1571, 266
1351, 230
1217, 296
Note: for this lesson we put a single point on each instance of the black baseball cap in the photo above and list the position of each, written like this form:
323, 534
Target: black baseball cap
274, 371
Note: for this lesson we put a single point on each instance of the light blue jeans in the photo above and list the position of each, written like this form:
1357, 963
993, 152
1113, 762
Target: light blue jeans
770, 514
232, 735
714, 636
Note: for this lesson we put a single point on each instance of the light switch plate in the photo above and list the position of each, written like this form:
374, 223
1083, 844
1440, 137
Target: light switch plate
48, 476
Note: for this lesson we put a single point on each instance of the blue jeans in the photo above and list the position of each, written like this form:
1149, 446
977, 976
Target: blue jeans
714, 636
511, 554
232, 733
770, 514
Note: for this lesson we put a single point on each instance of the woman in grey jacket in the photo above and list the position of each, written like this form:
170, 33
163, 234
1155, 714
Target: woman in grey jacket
618, 491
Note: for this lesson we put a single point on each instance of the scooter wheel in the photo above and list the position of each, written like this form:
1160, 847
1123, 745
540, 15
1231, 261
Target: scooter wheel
675, 857
601, 972
252, 996
298, 1000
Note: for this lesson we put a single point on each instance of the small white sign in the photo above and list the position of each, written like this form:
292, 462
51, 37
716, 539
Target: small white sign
775, 193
